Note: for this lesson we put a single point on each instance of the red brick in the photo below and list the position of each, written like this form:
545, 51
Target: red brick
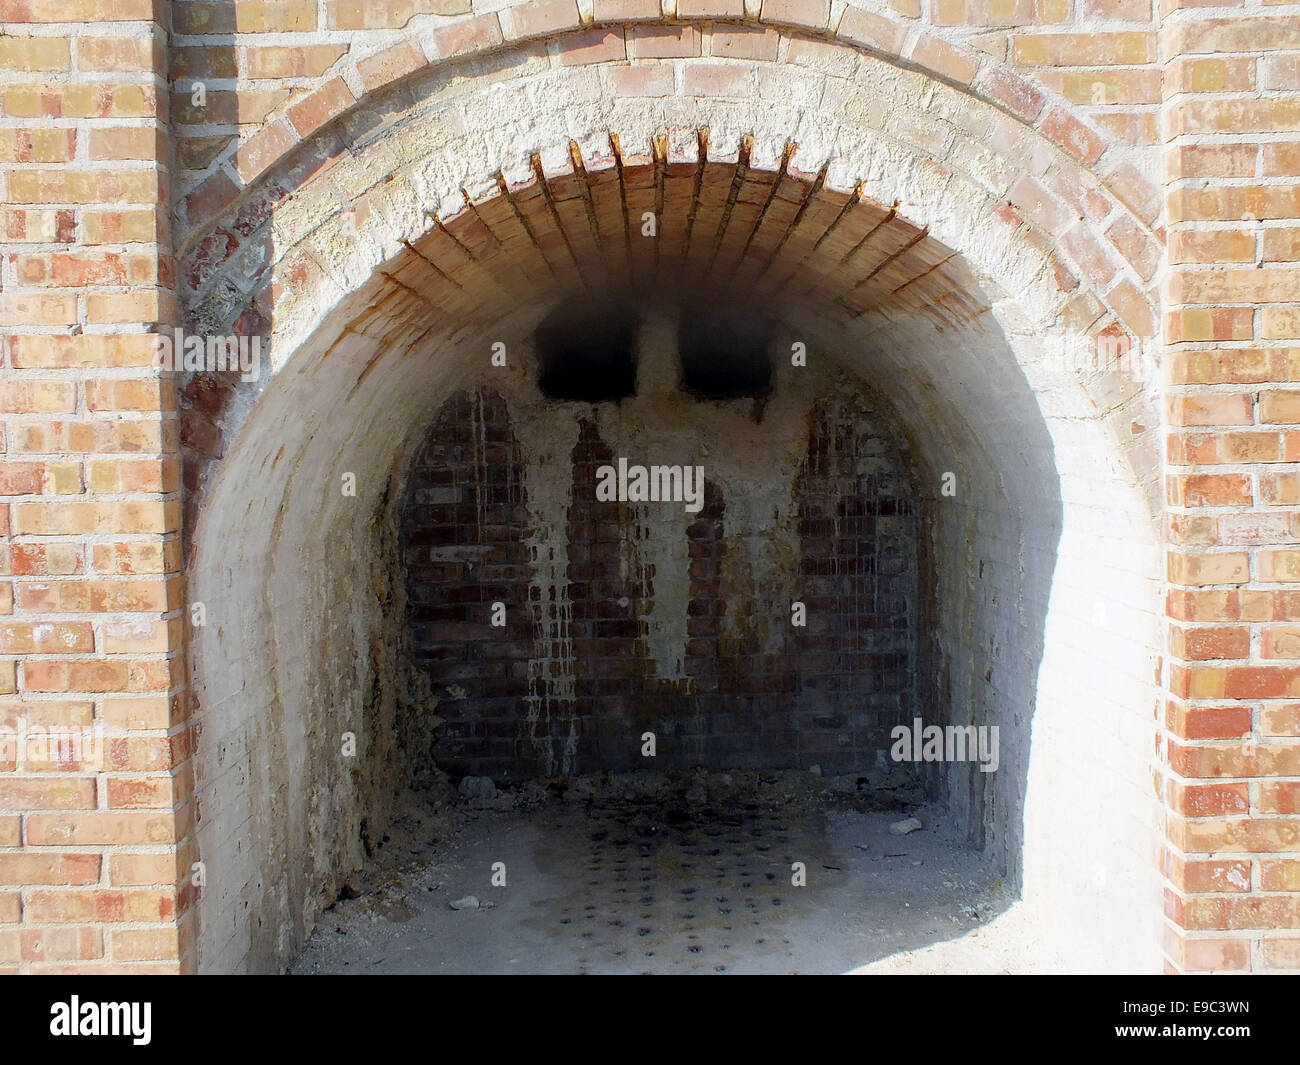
326, 103
743, 42
470, 35
814, 14
664, 42
600, 45
38, 867
534, 18
391, 64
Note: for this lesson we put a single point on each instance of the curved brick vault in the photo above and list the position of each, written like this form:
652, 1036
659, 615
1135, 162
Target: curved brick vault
927, 201
399, 170
386, 278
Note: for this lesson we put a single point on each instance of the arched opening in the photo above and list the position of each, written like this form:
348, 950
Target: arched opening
917, 469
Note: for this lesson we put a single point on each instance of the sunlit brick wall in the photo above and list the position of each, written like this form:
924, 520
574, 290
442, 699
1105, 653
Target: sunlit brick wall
97, 780
1231, 729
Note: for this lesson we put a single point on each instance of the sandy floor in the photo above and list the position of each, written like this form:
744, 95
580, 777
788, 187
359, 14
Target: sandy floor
699, 881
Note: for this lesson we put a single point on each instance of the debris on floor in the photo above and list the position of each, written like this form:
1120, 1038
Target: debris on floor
682, 872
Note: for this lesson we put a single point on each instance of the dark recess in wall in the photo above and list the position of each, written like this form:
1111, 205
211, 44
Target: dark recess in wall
587, 351
724, 352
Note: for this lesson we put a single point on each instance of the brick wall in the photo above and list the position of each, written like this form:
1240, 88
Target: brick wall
1088, 70
746, 689
90, 876
1053, 122
1230, 727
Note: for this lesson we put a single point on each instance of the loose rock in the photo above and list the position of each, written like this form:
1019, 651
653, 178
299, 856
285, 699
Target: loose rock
480, 789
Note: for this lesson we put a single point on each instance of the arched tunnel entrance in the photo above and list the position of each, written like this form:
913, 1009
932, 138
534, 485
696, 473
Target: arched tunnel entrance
608, 534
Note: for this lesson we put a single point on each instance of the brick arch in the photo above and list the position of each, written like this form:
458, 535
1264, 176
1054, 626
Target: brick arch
1084, 245
370, 322
799, 31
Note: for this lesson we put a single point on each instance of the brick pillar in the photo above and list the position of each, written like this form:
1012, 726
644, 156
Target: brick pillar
1232, 326
94, 770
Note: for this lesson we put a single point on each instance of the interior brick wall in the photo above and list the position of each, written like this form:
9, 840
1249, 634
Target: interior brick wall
754, 691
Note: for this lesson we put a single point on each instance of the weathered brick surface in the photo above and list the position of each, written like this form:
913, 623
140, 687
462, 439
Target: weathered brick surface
93, 479
754, 691
266, 104
1232, 500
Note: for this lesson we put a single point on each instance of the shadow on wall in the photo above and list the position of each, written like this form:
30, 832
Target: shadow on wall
926, 588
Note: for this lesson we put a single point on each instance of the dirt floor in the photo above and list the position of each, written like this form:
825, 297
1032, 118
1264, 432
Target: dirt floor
692, 873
